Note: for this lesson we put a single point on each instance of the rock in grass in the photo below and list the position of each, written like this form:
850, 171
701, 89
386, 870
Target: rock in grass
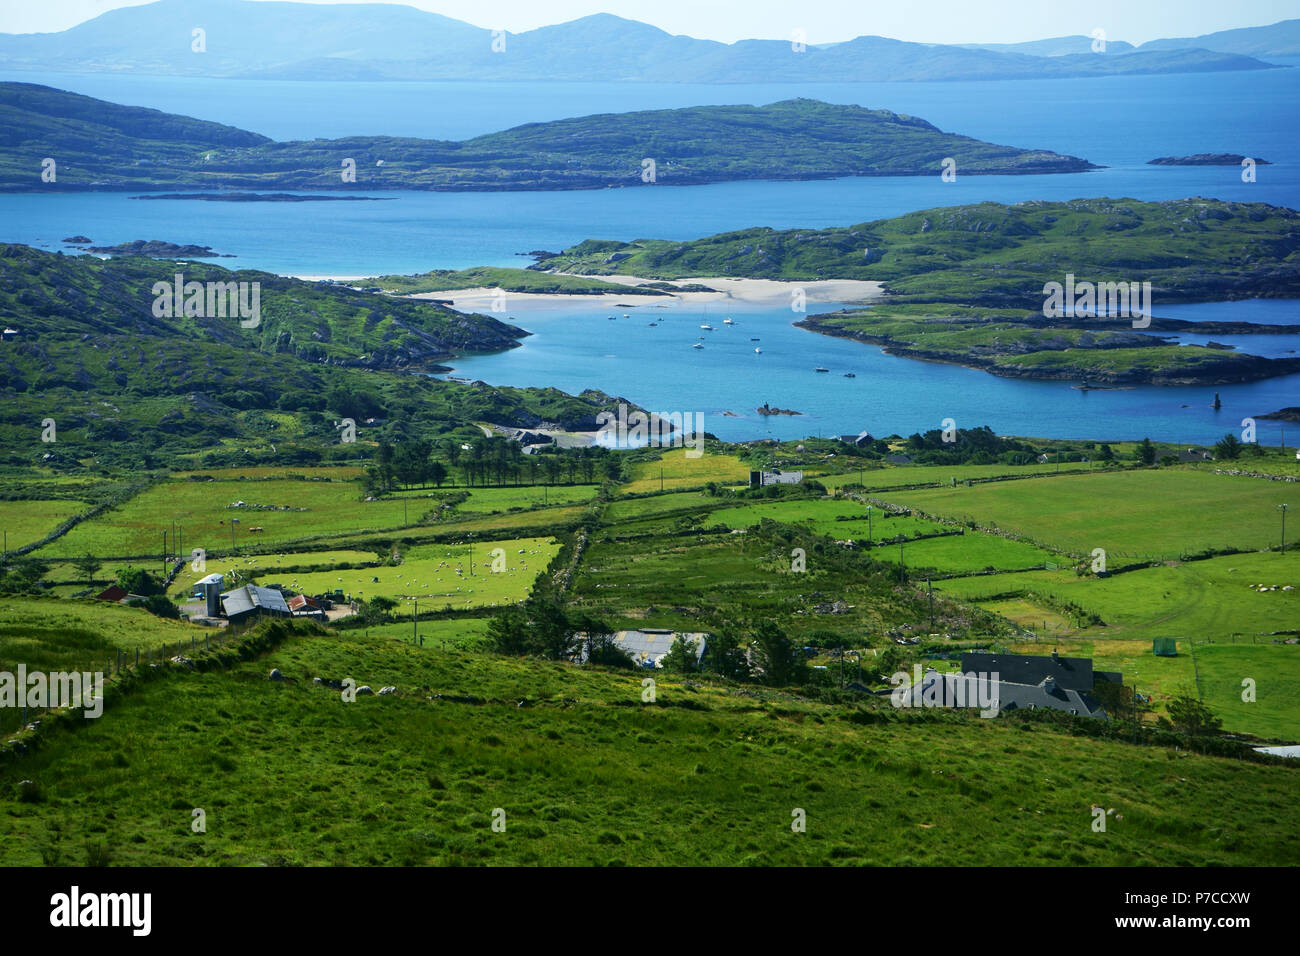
386, 690
365, 691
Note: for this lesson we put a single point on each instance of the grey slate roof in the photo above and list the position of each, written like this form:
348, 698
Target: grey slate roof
974, 689
1073, 673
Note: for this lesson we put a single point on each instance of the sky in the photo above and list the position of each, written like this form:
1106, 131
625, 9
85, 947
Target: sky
822, 21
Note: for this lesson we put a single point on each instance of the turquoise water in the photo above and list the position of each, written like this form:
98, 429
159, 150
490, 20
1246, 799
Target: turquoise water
576, 346
1118, 122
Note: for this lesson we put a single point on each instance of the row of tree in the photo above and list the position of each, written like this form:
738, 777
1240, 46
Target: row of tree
485, 461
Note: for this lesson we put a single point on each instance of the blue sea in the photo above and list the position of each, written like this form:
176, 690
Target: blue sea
1118, 122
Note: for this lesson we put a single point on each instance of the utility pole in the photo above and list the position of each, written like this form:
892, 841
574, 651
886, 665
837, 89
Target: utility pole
164, 554
1283, 509
415, 616
404, 521
931, 587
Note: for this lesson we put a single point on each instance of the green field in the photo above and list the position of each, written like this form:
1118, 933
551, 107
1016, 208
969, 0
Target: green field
894, 476
680, 472
1150, 513
262, 565
429, 573
1275, 669
26, 521
1200, 599
204, 510
584, 771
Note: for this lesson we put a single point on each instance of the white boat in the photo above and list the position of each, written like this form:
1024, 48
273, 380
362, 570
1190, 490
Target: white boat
758, 351
709, 327
697, 345
727, 321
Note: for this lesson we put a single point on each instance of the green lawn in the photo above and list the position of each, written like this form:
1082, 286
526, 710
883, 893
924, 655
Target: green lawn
1149, 513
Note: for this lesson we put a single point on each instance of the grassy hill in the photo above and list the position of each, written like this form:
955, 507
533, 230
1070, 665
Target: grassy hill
585, 773
792, 139
995, 254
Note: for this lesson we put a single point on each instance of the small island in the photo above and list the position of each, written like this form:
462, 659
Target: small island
767, 409
158, 249
1290, 414
1207, 159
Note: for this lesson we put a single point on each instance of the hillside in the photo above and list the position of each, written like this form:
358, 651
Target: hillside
390, 42
128, 387
996, 254
793, 139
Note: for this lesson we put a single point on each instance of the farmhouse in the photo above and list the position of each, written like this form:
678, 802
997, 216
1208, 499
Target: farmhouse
980, 689
649, 646
861, 440
758, 479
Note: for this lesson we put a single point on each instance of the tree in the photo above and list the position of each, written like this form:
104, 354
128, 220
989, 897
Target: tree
682, 657
87, 566
1227, 448
437, 473
777, 656
138, 581
724, 655
378, 609
1106, 453
157, 605
1192, 717
1146, 452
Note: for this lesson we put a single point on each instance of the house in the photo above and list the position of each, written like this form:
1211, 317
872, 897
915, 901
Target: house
1194, 454
860, 440
758, 479
648, 646
113, 593
1073, 673
899, 459
980, 690
250, 600
300, 605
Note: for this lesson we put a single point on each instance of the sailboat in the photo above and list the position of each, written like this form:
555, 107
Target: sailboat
727, 321
697, 345
758, 351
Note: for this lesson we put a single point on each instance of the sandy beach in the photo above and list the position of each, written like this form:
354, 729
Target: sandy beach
758, 292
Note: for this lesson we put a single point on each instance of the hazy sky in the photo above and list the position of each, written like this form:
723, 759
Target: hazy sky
935, 21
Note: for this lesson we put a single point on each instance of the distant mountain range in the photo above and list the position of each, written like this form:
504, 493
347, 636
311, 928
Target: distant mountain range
304, 41
101, 145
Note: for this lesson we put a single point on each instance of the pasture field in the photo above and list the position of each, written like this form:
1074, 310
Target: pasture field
497, 525
819, 515
54, 634
893, 476
680, 472
26, 521
1275, 669
439, 574
972, 551
499, 500
203, 509
1132, 515
263, 565
1211, 599
288, 774
309, 472
467, 633
626, 509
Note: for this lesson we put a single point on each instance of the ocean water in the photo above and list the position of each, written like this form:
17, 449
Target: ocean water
1117, 122
577, 346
